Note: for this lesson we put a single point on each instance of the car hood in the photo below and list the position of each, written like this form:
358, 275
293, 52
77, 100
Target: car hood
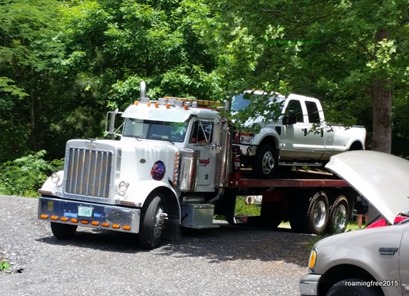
381, 178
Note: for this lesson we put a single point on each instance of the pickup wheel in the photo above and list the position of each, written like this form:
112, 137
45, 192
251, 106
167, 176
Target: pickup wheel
63, 231
344, 288
317, 213
265, 161
338, 215
152, 223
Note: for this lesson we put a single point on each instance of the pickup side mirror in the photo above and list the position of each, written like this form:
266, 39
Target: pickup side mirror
289, 119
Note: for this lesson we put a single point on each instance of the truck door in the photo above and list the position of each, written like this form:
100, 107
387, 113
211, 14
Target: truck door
200, 140
304, 139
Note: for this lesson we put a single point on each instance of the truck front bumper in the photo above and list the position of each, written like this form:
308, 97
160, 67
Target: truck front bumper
88, 214
309, 284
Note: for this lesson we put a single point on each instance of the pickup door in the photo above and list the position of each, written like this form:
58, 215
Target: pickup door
303, 139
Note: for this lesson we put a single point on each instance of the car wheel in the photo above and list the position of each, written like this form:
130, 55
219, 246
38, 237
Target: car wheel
152, 223
338, 215
63, 231
265, 161
317, 214
345, 287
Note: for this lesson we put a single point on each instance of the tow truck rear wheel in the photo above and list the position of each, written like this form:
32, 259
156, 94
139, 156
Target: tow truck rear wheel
317, 214
63, 231
265, 161
152, 222
338, 215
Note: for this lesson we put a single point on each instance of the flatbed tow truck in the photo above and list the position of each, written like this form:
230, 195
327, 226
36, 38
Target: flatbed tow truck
174, 166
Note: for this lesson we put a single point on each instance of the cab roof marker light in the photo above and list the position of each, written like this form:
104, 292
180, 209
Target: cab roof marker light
54, 217
44, 216
95, 223
105, 224
64, 219
74, 220
85, 222
116, 226
126, 227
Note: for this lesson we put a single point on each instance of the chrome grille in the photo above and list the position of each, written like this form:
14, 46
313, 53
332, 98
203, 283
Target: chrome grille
88, 172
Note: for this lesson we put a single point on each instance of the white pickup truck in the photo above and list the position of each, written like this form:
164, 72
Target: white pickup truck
298, 136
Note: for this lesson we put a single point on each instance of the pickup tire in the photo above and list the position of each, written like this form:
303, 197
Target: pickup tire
265, 161
63, 231
317, 213
338, 215
152, 222
342, 288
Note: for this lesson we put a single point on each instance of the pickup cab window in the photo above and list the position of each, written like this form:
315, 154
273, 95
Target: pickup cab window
294, 109
313, 113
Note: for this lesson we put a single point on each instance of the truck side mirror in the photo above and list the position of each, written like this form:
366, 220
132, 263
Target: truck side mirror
110, 127
289, 119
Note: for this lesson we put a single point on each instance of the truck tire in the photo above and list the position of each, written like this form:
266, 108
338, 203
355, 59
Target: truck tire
338, 215
265, 161
152, 223
317, 213
342, 288
63, 231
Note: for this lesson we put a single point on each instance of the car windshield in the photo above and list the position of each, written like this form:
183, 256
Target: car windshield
155, 130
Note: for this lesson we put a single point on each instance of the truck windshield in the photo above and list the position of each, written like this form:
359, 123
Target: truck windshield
241, 101
155, 130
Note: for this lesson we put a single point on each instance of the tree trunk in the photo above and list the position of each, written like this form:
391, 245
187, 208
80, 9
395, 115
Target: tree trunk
382, 108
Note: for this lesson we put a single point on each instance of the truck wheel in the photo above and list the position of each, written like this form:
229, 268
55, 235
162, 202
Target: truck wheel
63, 231
338, 215
152, 223
265, 161
342, 288
317, 213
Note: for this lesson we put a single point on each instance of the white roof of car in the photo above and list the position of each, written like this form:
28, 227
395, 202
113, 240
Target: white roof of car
381, 178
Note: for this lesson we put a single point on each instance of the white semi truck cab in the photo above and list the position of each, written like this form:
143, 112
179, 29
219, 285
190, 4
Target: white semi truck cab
165, 172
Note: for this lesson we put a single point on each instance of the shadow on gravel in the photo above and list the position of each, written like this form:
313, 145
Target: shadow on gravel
227, 243
101, 240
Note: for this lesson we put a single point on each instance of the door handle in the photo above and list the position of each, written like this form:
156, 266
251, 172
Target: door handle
305, 132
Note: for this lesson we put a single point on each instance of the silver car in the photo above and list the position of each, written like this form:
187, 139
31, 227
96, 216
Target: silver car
371, 261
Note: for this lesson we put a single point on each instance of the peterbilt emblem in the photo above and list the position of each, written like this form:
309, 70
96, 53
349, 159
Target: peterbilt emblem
158, 170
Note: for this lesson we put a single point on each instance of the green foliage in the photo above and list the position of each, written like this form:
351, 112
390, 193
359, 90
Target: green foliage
64, 64
243, 209
25, 175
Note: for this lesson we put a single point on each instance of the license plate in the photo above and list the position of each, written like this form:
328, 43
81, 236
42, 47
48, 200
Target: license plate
85, 211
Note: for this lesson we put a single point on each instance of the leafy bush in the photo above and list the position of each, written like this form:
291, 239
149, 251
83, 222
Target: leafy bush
25, 175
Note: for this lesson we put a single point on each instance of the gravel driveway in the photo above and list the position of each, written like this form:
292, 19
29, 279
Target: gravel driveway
230, 260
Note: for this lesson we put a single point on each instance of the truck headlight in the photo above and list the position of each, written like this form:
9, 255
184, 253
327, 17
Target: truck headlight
56, 179
123, 187
246, 138
313, 259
